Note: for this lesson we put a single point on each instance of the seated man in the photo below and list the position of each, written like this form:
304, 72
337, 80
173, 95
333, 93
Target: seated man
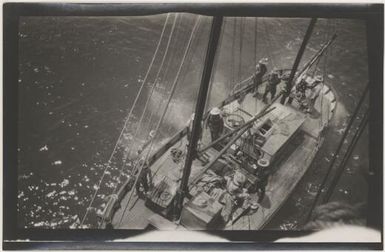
235, 196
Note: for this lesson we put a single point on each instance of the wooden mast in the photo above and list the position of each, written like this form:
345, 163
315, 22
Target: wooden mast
289, 82
199, 109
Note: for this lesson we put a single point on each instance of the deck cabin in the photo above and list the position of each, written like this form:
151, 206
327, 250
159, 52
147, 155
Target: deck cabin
286, 138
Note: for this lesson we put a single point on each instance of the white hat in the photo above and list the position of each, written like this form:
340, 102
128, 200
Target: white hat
239, 179
215, 111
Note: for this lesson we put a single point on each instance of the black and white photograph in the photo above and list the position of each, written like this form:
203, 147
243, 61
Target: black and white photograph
182, 121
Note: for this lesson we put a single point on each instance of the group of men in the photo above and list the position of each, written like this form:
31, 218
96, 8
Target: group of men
272, 82
215, 121
305, 93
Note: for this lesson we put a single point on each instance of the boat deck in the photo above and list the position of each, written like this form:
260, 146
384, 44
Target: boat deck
281, 182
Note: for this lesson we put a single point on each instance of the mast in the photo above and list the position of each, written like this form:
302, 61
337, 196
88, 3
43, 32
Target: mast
199, 109
289, 82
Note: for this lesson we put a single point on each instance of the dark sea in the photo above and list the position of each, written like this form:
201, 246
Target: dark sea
79, 76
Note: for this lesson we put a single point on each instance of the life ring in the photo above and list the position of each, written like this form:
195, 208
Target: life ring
234, 120
263, 162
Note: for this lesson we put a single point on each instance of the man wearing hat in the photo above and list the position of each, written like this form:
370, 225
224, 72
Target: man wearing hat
272, 84
260, 70
235, 195
235, 185
215, 123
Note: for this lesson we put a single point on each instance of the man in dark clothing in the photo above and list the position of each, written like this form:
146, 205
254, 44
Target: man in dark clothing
215, 123
271, 86
262, 176
260, 70
144, 179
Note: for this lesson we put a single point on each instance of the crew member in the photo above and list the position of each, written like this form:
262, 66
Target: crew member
235, 185
144, 179
272, 84
262, 176
215, 123
260, 70
235, 196
315, 88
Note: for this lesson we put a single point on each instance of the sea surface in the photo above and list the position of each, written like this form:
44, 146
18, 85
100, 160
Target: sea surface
79, 76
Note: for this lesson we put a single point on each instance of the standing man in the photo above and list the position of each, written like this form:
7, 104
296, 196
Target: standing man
315, 88
262, 176
215, 123
260, 70
272, 84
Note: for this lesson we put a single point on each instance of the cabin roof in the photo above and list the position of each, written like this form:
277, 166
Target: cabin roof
286, 121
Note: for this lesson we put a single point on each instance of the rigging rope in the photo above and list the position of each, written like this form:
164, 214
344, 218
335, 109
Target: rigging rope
240, 48
351, 121
150, 95
163, 115
127, 119
233, 52
255, 40
327, 37
269, 43
346, 157
171, 59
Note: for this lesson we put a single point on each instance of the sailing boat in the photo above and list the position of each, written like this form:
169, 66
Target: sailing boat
191, 182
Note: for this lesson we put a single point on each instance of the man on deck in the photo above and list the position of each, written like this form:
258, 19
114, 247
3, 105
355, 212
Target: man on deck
215, 123
272, 84
262, 176
315, 89
260, 70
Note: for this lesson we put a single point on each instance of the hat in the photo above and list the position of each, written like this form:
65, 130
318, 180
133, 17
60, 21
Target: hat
215, 111
318, 78
239, 178
263, 61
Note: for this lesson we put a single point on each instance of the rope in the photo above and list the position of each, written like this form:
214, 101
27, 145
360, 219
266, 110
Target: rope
150, 95
240, 48
323, 77
255, 40
233, 52
269, 43
163, 115
352, 118
171, 59
127, 119
346, 157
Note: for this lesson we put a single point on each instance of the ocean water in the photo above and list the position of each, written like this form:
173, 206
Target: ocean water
79, 76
